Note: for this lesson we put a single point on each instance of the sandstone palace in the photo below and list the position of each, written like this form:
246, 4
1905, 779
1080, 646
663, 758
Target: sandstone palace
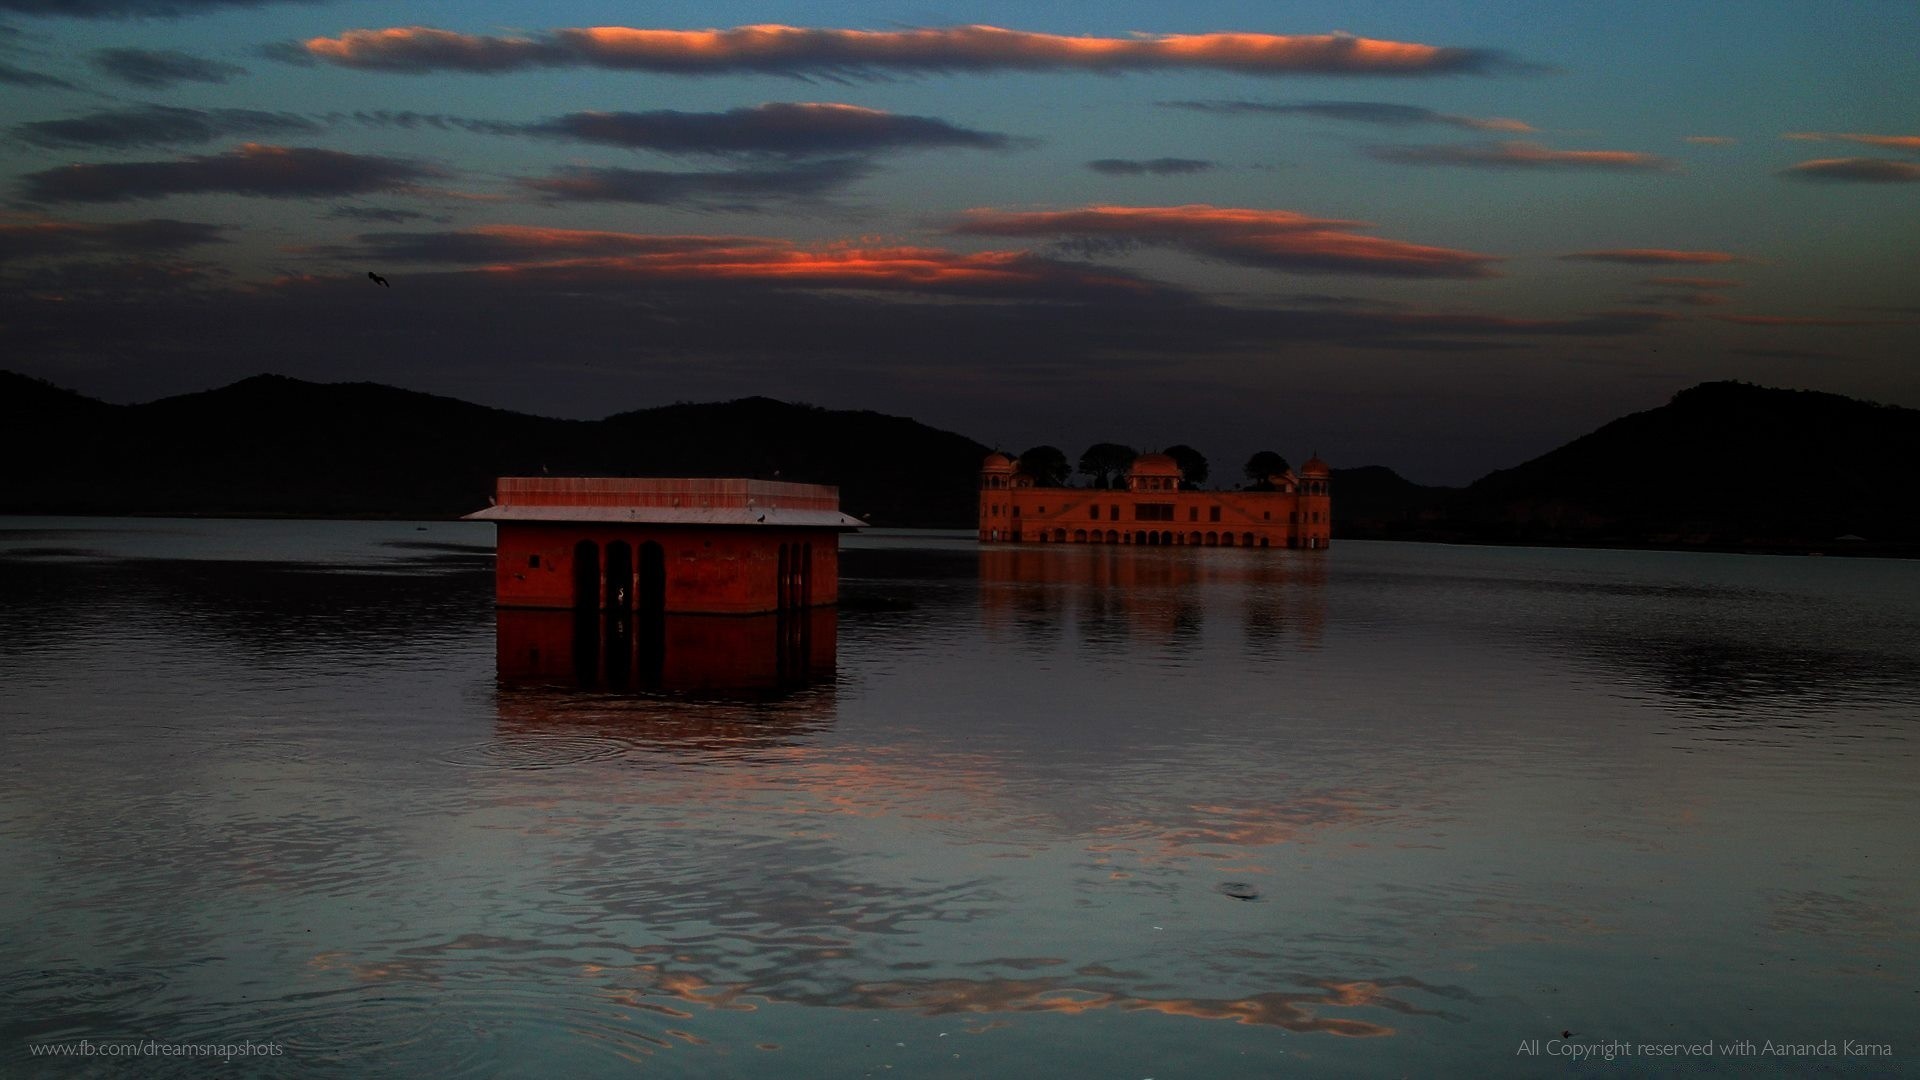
1293, 511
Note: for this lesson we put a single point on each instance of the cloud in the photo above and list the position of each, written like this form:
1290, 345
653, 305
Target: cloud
131, 9
158, 125
157, 69
384, 214
1362, 112
1807, 320
1166, 166
1855, 170
585, 258
1711, 140
778, 128
1891, 142
1271, 239
253, 169
1653, 257
1521, 155
36, 239
19, 76
792, 50
717, 189
1695, 282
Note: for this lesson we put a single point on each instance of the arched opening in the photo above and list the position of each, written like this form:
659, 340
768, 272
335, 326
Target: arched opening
1263, 541
1226, 539
1113, 537
1079, 536
650, 592
1166, 538
781, 574
806, 575
1246, 539
1193, 538
586, 575
1059, 536
1139, 536
1213, 539
618, 590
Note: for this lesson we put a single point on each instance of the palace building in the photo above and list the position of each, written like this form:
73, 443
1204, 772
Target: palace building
659, 547
1152, 510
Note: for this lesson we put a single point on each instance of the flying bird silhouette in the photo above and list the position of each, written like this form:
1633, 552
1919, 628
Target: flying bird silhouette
378, 280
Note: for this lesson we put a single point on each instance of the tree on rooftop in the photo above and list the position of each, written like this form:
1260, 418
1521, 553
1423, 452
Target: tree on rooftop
1193, 465
1265, 464
1047, 465
1107, 462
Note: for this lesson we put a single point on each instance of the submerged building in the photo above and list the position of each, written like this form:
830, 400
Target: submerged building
657, 546
1294, 512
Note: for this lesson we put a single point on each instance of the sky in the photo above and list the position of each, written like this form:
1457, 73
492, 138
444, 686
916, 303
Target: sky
1443, 237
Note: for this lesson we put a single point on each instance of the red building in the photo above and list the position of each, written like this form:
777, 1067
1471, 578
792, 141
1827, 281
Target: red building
733, 547
1295, 512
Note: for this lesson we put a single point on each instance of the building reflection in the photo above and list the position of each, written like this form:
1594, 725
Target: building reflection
1117, 595
674, 653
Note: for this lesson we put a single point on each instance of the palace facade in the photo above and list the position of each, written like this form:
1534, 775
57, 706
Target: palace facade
1151, 509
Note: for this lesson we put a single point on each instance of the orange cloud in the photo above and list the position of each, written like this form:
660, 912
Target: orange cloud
1855, 169
590, 255
1892, 142
1654, 256
1272, 239
1522, 155
796, 50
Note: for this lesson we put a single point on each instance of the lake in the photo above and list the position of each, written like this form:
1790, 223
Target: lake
1043, 810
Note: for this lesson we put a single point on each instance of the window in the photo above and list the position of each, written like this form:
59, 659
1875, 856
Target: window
533, 561
1213, 513
1266, 515
1016, 509
1153, 511
1293, 517
1039, 509
1193, 513
1316, 517
1094, 511
1113, 512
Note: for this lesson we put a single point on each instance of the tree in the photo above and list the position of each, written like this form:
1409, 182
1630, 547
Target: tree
1193, 465
1107, 462
1264, 464
1047, 465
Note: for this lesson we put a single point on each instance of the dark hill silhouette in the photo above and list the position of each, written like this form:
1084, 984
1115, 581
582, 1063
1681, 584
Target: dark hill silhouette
275, 445
1374, 502
1722, 465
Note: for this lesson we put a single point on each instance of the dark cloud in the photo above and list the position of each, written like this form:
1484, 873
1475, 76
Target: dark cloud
781, 128
407, 120
1166, 166
158, 125
1362, 112
132, 9
1271, 239
1654, 257
1855, 170
794, 50
744, 188
254, 169
19, 76
1521, 155
385, 214
152, 236
157, 69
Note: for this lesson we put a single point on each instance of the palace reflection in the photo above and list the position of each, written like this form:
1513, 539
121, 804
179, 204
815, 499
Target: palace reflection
674, 653
1113, 596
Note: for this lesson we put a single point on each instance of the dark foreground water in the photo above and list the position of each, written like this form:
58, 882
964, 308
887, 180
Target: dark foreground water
1389, 809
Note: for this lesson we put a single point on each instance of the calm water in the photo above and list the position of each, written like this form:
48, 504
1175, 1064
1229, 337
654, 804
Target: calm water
1392, 809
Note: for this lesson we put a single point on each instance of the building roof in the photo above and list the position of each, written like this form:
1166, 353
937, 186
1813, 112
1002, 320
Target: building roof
1154, 465
664, 501
1315, 467
997, 462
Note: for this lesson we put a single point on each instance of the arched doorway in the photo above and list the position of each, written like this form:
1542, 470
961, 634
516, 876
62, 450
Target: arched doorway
586, 575
619, 579
650, 592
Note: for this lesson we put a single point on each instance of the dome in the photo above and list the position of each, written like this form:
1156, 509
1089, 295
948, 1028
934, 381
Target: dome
997, 462
1154, 465
1316, 467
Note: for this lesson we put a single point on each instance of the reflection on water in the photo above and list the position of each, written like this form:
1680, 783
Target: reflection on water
1086, 811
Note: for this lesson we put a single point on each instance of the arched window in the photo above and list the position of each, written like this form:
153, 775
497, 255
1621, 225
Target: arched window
586, 574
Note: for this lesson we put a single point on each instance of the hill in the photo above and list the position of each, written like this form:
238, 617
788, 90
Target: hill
1721, 465
274, 445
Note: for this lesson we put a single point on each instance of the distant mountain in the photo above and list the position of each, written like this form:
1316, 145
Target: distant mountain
275, 445
1374, 502
1723, 464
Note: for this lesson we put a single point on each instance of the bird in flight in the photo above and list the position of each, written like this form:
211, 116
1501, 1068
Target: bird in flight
378, 280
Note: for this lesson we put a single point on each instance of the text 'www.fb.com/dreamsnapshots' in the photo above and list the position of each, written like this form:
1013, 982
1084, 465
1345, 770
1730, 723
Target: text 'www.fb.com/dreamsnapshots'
130, 1049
